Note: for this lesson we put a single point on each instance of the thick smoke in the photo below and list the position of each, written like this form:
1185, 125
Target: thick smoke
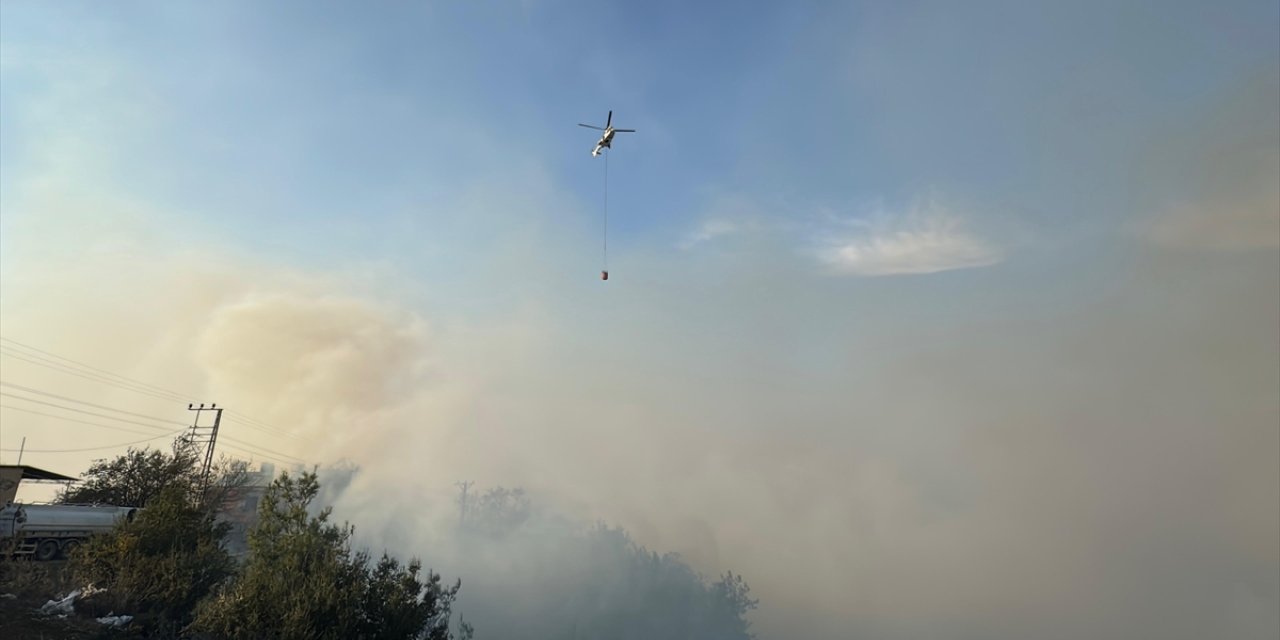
1104, 468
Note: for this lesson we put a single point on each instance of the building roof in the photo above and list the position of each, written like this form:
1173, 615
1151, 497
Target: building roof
37, 474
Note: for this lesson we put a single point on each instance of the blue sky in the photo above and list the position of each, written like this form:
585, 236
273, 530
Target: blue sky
885, 276
298, 122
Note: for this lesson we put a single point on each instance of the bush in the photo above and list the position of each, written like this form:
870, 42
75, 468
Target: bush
158, 566
33, 579
633, 593
302, 580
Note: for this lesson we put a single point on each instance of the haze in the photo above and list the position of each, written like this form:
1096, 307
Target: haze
945, 320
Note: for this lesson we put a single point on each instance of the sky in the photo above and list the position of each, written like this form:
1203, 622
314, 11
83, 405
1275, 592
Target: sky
933, 319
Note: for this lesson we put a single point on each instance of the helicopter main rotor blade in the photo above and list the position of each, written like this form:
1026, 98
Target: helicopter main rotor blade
590, 126
624, 130
609, 121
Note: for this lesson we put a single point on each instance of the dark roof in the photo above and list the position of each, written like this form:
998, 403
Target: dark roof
39, 475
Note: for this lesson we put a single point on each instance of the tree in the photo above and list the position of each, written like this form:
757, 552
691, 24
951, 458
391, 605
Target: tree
730, 602
135, 478
630, 593
302, 580
497, 513
158, 566
546, 577
162, 563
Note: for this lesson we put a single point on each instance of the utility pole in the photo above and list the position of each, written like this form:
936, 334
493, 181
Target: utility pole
204, 436
462, 502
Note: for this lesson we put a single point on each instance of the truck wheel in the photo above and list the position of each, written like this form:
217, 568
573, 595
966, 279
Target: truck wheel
47, 550
69, 547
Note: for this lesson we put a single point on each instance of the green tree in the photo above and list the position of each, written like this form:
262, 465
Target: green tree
302, 580
135, 478
158, 566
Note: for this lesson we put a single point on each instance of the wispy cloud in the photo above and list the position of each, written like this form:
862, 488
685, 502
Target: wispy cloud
730, 215
709, 230
928, 237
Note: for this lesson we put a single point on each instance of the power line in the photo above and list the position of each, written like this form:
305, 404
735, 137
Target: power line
121, 381
278, 434
242, 443
114, 446
96, 415
251, 453
99, 370
242, 446
98, 406
88, 404
65, 419
93, 377
70, 366
236, 416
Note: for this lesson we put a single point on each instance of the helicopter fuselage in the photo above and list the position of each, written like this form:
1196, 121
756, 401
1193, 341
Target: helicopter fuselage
606, 142
606, 139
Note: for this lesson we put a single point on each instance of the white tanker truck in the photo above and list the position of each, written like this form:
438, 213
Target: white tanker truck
51, 531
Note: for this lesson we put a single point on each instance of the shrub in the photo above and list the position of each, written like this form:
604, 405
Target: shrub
302, 580
158, 566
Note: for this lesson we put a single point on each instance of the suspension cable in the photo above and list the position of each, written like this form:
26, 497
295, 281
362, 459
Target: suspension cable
605, 234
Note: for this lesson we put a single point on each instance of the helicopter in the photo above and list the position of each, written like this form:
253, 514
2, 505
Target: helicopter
606, 139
